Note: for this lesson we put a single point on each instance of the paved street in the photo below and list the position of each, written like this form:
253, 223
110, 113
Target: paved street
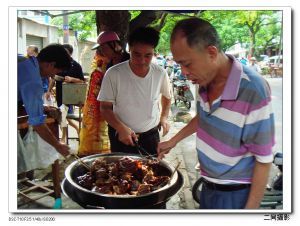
276, 87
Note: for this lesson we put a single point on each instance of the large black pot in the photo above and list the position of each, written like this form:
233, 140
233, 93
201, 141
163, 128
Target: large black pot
90, 199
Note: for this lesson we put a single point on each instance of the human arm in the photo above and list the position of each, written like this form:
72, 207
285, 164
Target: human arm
107, 97
46, 134
70, 79
50, 87
165, 147
258, 137
32, 98
165, 103
259, 182
165, 108
125, 134
75, 74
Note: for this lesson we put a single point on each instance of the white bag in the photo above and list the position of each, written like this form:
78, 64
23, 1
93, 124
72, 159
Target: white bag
22, 166
48, 102
64, 111
39, 154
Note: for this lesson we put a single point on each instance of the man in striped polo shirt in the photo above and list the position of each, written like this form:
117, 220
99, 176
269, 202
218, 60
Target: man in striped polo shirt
234, 121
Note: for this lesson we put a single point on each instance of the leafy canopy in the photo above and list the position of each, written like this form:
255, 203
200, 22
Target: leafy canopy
256, 29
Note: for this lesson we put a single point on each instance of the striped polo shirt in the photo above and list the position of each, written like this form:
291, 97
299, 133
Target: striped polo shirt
237, 129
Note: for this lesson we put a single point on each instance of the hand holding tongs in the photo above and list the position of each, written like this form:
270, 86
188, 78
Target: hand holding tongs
141, 149
82, 162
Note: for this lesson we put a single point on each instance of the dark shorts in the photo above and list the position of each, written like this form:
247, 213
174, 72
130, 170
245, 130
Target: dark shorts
148, 140
211, 198
71, 109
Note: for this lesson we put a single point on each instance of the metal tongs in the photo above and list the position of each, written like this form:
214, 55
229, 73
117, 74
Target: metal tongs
172, 175
82, 162
141, 149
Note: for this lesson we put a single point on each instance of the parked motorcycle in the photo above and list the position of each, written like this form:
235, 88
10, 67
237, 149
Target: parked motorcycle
169, 70
277, 180
273, 194
182, 91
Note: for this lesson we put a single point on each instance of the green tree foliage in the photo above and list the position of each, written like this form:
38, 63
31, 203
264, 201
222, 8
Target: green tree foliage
165, 33
270, 34
227, 27
134, 13
263, 26
256, 28
82, 22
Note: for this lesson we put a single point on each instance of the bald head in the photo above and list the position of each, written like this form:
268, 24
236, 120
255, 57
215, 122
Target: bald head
198, 33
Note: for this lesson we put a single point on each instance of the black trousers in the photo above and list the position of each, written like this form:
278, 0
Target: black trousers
147, 140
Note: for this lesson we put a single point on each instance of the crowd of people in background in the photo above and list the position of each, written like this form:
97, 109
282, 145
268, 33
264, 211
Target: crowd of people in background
167, 62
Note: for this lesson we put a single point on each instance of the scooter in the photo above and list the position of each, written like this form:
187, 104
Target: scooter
182, 91
273, 193
169, 70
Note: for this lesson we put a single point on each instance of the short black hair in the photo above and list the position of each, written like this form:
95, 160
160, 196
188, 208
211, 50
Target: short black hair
55, 53
144, 35
198, 32
69, 48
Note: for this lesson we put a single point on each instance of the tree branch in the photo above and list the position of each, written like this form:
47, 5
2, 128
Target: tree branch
143, 19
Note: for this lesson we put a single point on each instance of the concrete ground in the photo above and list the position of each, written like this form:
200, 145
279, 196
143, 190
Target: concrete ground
183, 152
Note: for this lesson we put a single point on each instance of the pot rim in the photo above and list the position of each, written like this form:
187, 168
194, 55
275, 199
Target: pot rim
87, 159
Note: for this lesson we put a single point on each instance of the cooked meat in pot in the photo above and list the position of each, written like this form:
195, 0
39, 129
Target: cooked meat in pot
126, 176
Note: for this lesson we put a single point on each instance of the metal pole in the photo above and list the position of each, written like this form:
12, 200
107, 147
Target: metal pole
66, 26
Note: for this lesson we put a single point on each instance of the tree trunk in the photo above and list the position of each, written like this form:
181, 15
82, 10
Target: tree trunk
119, 21
114, 20
145, 18
252, 42
162, 21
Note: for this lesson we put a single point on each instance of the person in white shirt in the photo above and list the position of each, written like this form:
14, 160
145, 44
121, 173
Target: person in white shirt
130, 96
254, 66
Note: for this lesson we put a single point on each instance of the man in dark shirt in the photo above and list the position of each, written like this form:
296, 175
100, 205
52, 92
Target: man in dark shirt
73, 75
